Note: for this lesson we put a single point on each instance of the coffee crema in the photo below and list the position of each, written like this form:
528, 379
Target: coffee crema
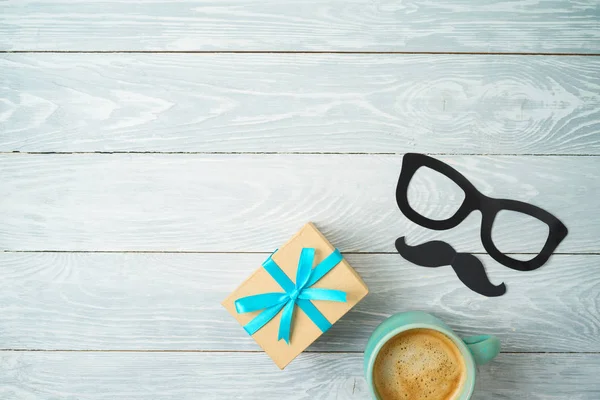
419, 364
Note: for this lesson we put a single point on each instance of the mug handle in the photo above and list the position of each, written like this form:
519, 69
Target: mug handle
483, 347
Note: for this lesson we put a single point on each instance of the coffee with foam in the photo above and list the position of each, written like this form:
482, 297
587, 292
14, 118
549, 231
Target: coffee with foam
419, 364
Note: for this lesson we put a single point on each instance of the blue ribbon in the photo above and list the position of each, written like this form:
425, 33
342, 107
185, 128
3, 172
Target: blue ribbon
299, 293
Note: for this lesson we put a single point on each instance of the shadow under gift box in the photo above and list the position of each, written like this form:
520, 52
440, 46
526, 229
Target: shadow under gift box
303, 330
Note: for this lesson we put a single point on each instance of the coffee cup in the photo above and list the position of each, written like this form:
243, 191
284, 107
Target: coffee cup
471, 351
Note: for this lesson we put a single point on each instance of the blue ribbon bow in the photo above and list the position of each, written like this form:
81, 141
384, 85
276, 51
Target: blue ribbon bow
300, 293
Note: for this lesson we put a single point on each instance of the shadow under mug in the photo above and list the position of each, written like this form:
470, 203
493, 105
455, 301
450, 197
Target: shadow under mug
475, 350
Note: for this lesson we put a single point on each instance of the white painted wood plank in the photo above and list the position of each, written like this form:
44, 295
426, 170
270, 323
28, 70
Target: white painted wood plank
181, 376
559, 26
256, 202
300, 103
135, 301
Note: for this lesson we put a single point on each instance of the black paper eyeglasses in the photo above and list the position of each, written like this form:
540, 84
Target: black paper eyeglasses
475, 200
440, 253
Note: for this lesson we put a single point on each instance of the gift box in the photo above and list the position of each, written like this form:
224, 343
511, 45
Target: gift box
302, 289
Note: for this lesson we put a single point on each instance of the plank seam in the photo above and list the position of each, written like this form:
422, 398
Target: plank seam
249, 351
297, 52
251, 252
15, 152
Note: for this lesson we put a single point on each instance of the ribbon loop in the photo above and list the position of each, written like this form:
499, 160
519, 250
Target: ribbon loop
323, 294
325, 266
305, 264
259, 301
300, 293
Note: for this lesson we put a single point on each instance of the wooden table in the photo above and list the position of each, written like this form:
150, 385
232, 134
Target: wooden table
154, 152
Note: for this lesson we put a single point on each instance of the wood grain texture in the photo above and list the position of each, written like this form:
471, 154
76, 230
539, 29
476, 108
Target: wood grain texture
254, 203
181, 376
95, 301
300, 103
560, 26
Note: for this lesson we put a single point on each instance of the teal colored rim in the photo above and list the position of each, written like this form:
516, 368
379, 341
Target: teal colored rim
469, 386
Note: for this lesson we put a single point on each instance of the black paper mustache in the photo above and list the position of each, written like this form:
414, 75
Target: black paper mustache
467, 267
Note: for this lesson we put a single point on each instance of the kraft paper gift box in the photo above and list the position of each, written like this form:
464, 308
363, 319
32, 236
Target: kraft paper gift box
303, 329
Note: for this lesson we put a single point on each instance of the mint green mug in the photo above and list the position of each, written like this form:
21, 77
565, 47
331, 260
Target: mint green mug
476, 350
